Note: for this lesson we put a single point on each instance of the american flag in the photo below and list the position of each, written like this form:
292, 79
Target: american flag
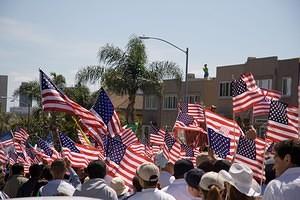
128, 165
13, 157
33, 157
190, 153
171, 148
282, 122
48, 153
21, 135
189, 117
245, 93
104, 109
6, 139
114, 149
157, 135
263, 107
3, 157
77, 157
222, 129
128, 137
251, 152
55, 100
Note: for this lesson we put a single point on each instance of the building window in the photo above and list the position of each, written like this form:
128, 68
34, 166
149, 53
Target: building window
170, 102
193, 99
224, 89
286, 86
150, 102
264, 83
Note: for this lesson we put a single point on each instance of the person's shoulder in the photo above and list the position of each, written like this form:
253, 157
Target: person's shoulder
272, 189
165, 195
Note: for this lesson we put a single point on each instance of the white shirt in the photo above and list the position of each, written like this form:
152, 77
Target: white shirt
178, 189
286, 186
57, 188
151, 194
164, 179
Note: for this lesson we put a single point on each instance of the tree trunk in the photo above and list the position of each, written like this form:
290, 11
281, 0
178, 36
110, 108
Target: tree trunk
130, 109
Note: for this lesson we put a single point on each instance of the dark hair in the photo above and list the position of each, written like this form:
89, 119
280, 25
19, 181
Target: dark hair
221, 165
148, 184
46, 174
35, 171
193, 177
96, 169
17, 169
206, 166
235, 194
181, 167
291, 147
136, 184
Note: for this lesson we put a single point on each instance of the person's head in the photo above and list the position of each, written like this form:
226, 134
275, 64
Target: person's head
206, 166
96, 169
17, 169
136, 184
118, 185
46, 173
35, 171
181, 167
221, 165
213, 108
203, 156
192, 178
251, 132
148, 174
58, 169
212, 185
286, 155
241, 182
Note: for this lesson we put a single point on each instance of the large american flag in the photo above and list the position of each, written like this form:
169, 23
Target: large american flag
53, 99
245, 93
189, 117
21, 135
263, 107
104, 109
282, 122
6, 139
252, 152
221, 133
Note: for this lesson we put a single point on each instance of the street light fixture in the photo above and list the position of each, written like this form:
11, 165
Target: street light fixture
186, 60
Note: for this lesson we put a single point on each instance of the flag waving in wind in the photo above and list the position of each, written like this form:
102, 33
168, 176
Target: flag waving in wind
53, 99
245, 93
104, 109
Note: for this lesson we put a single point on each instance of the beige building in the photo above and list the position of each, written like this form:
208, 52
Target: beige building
163, 109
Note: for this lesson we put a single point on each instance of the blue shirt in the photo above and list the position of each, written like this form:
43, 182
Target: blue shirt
286, 186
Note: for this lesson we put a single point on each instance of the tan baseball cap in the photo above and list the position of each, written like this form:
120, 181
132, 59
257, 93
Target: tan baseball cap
148, 172
211, 178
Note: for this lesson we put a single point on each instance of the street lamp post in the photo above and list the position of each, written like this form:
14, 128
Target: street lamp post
186, 60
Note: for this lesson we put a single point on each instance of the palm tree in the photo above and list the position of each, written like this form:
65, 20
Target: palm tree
30, 89
126, 71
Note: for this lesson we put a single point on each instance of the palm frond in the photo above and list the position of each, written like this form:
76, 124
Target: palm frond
90, 73
110, 55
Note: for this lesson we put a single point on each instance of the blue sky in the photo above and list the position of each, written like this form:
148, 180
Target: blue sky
64, 36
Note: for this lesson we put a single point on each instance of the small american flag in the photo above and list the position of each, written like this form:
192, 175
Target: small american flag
282, 122
245, 93
157, 136
49, 153
70, 151
6, 139
189, 117
115, 150
21, 135
222, 128
128, 137
171, 148
104, 109
263, 107
251, 152
3, 157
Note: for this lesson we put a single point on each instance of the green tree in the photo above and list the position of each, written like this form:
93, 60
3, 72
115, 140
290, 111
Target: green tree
126, 71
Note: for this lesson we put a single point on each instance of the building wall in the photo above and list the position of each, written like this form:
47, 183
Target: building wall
3, 92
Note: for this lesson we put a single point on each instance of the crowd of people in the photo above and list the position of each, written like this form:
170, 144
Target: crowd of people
211, 179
